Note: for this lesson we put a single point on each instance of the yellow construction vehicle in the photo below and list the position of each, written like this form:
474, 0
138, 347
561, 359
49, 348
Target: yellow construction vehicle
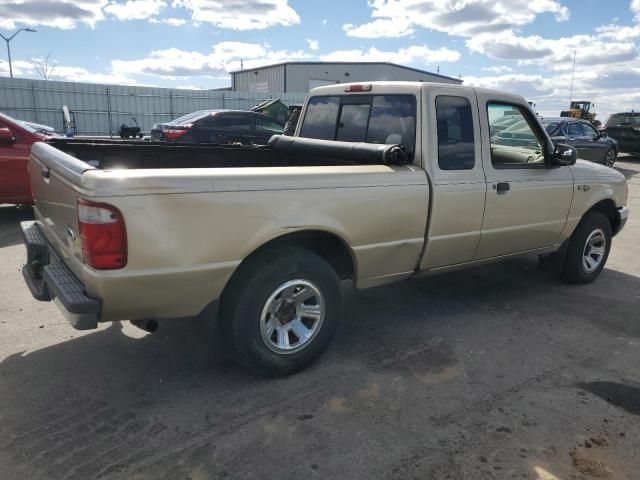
581, 109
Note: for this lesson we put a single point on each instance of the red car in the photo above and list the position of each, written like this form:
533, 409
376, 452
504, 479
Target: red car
16, 139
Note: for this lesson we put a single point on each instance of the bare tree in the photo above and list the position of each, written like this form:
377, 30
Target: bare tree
45, 67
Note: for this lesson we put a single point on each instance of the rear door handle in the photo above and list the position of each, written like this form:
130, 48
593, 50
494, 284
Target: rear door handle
502, 187
46, 172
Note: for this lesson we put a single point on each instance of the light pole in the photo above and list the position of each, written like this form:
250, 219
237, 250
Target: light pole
9, 48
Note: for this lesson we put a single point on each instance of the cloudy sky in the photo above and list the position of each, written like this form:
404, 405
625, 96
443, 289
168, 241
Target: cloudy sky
524, 46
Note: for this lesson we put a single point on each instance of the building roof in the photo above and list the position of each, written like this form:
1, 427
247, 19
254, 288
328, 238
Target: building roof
347, 63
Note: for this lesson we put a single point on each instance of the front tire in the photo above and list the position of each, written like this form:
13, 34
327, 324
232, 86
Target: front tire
280, 311
588, 249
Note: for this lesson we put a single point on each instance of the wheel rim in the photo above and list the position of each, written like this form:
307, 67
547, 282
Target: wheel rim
594, 250
611, 158
292, 316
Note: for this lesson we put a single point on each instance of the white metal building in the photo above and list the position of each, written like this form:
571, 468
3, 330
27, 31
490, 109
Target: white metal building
300, 77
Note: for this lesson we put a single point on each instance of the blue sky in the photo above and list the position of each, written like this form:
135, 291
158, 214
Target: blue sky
525, 46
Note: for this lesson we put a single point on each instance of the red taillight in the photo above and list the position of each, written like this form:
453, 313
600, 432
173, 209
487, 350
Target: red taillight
172, 133
358, 88
102, 234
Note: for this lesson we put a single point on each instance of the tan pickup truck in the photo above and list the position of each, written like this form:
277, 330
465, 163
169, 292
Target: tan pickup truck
382, 182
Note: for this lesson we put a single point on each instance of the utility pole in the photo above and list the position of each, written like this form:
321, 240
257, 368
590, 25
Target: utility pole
573, 74
8, 39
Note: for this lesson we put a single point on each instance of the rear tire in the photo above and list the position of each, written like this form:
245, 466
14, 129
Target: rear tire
588, 249
280, 311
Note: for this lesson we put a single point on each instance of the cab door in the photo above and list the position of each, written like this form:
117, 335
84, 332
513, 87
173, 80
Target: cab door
527, 200
454, 162
597, 144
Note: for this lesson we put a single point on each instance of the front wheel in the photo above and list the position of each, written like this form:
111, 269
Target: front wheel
588, 249
280, 311
610, 157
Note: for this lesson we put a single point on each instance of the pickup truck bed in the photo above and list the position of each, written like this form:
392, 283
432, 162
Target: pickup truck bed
281, 151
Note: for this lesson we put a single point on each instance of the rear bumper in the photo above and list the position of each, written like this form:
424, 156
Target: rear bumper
49, 279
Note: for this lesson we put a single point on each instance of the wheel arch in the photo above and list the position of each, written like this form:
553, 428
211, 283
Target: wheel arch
328, 245
608, 208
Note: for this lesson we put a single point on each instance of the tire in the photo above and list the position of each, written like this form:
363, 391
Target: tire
593, 231
610, 157
260, 299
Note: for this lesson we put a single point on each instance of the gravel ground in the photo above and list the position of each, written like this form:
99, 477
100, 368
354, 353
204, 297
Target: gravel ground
495, 372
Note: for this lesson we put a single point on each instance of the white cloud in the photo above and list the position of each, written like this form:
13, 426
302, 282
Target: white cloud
67, 14
223, 57
241, 14
618, 32
26, 68
612, 89
414, 54
135, 9
498, 69
393, 18
555, 53
382, 27
64, 14
313, 44
173, 21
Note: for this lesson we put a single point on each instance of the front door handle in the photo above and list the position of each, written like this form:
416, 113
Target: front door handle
502, 187
46, 172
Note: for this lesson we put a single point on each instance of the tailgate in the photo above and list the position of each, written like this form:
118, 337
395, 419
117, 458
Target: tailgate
56, 179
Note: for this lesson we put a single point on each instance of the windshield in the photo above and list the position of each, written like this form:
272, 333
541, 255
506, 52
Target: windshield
553, 128
18, 122
622, 120
26, 126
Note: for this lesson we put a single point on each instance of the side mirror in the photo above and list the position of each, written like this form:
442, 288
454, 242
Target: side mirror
6, 137
564, 155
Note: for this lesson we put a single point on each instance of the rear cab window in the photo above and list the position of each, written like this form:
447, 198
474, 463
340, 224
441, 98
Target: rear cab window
378, 119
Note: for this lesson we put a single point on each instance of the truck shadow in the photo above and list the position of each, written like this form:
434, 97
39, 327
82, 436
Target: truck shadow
167, 404
10, 218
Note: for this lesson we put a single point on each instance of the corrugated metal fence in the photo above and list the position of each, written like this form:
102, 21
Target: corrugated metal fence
101, 109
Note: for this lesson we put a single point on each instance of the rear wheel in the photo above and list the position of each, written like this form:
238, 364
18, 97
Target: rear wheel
280, 311
588, 249
610, 157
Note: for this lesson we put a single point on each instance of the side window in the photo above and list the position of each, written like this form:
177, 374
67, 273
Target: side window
320, 118
588, 130
266, 125
575, 130
352, 126
456, 149
517, 146
227, 123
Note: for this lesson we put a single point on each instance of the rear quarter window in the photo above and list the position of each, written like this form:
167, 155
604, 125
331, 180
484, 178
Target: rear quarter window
320, 118
380, 119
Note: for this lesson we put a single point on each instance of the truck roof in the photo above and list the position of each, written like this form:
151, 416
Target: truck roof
408, 88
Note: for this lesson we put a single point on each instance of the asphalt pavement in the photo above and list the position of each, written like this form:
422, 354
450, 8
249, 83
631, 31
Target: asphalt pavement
495, 372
